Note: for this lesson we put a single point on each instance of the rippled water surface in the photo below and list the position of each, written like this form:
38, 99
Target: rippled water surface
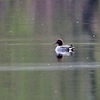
29, 66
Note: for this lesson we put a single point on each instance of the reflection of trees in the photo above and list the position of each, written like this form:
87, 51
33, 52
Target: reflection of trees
84, 13
93, 84
88, 11
88, 16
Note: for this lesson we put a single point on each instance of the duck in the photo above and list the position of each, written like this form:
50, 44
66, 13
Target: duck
63, 49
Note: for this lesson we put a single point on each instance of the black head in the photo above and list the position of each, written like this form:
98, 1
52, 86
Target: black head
59, 42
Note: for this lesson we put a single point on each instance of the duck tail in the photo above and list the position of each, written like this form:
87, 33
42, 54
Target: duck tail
71, 48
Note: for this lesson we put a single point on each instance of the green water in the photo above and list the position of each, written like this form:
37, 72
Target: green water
29, 68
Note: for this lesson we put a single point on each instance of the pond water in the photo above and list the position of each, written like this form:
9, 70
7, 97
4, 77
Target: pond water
29, 67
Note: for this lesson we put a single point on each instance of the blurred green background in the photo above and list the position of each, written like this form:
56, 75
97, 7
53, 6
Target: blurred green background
28, 29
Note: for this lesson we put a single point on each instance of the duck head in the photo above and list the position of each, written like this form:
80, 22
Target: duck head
59, 42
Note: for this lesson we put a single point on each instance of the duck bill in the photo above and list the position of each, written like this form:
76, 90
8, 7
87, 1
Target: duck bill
55, 43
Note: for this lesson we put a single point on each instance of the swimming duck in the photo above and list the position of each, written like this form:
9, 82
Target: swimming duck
63, 49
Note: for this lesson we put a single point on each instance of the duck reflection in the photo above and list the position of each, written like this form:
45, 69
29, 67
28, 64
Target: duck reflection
61, 56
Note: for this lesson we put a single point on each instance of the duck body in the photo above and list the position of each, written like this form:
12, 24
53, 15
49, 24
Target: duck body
63, 49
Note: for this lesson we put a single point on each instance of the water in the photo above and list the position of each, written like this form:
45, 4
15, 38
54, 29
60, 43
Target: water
29, 67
